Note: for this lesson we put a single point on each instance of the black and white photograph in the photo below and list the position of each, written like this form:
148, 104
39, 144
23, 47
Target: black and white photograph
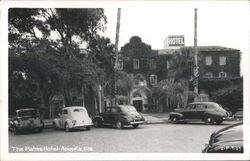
125, 80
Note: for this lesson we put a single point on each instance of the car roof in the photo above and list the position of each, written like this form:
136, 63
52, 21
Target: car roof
25, 109
73, 107
122, 106
203, 103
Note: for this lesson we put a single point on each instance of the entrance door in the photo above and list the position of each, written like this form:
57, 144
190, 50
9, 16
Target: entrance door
138, 105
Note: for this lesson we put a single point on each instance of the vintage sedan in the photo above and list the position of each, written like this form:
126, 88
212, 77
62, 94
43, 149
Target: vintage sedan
73, 117
119, 116
26, 119
209, 112
226, 140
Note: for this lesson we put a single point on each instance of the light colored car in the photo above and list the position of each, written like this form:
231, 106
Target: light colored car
26, 119
73, 117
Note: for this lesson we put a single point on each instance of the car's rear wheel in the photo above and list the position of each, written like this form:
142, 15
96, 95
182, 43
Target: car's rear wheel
66, 127
136, 125
119, 125
97, 124
88, 128
209, 120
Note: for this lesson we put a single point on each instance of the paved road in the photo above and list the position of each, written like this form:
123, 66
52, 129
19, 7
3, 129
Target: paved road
166, 138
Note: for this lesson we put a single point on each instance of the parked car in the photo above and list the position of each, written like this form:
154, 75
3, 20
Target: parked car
26, 119
226, 140
119, 116
73, 117
209, 112
238, 115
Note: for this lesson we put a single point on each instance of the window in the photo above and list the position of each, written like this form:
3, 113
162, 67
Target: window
120, 65
136, 64
65, 112
208, 75
222, 60
153, 79
152, 64
222, 75
168, 64
208, 60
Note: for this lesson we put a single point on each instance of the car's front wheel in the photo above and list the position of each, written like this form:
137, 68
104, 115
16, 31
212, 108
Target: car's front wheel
175, 119
97, 124
119, 125
66, 127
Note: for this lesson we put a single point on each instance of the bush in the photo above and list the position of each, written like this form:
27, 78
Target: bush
229, 97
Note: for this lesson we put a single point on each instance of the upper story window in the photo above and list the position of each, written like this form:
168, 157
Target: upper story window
222, 60
152, 64
153, 79
168, 64
222, 75
120, 65
208, 75
208, 60
136, 64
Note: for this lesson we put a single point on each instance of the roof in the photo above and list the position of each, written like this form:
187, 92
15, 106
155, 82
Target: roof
212, 48
200, 48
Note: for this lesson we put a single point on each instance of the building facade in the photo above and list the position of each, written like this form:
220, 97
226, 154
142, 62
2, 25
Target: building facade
215, 63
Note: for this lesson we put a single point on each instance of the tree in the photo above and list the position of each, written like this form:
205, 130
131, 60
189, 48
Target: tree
229, 97
49, 40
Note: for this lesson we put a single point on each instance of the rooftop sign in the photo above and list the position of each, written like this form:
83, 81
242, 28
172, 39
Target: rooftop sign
175, 40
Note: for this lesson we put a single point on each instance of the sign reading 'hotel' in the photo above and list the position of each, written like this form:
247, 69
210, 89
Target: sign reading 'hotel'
176, 40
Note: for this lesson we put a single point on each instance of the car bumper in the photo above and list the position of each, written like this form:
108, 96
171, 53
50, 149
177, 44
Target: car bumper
136, 122
81, 126
30, 127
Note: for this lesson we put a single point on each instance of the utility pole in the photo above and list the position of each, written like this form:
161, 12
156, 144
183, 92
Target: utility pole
116, 52
196, 68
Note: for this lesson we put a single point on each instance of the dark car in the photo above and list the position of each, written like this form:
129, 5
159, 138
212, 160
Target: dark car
238, 115
209, 112
119, 116
26, 119
226, 140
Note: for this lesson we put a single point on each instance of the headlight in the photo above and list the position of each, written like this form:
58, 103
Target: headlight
74, 122
16, 122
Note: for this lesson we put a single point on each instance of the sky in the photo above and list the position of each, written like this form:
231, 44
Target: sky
223, 23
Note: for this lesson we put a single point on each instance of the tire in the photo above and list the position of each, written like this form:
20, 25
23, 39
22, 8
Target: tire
66, 127
97, 124
15, 130
88, 128
209, 120
135, 126
119, 125
218, 122
175, 119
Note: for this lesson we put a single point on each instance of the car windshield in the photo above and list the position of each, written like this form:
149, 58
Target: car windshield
128, 109
32, 113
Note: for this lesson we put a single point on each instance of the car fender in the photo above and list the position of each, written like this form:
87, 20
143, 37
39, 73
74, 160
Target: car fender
172, 114
56, 123
98, 118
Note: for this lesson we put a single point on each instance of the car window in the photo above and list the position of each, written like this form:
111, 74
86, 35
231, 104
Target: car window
65, 112
201, 106
191, 107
